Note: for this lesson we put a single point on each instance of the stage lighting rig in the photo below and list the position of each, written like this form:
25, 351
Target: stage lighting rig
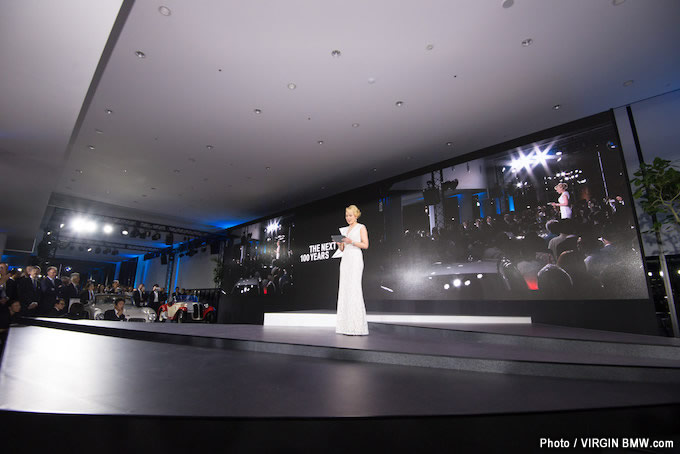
156, 236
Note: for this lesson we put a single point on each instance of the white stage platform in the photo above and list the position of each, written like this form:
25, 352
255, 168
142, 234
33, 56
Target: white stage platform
327, 318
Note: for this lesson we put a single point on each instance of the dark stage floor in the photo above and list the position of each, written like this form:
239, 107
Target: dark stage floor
251, 372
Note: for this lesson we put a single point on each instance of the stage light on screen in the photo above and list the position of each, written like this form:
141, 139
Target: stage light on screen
467, 282
447, 286
479, 276
456, 282
108, 229
273, 227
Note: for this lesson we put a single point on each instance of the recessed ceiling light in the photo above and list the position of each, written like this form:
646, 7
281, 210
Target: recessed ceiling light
527, 42
292, 86
91, 147
399, 103
449, 144
557, 107
79, 171
268, 168
508, 3
209, 147
258, 111
124, 170
320, 142
99, 131
371, 80
164, 10
617, 2
374, 169
109, 111
355, 125
628, 83
140, 54
429, 47
336, 53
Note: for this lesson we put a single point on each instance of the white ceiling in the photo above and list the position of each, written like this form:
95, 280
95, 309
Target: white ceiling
211, 63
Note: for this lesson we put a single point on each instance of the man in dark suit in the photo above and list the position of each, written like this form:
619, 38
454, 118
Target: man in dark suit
73, 289
139, 296
29, 291
11, 286
87, 295
156, 297
116, 314
50, 289
4, 277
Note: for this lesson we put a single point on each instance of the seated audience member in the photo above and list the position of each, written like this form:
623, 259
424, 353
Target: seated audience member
585, 284
116, 288
59, 309
554, 283
565, 239
77, 311
87, 295
116, 314
9, 312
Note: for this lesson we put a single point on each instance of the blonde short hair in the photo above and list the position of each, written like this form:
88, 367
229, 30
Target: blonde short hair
354, 209
562, 186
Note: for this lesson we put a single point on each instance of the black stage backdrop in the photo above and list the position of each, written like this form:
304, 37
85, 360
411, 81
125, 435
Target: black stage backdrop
475, 235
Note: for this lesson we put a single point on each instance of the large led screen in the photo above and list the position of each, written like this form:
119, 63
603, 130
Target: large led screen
547, 220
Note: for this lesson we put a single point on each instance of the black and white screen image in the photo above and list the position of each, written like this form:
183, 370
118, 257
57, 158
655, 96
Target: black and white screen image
258, 260
549, 220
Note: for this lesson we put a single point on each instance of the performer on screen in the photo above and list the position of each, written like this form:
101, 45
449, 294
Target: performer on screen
563, 202
351, 318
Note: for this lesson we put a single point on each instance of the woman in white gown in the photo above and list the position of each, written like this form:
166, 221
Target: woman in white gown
351, 318
563, 202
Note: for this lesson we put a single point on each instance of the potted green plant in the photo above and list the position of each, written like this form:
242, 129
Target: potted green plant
657, 188
218, 272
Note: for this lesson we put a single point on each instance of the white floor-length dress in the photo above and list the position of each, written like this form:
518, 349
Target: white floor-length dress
351, 318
